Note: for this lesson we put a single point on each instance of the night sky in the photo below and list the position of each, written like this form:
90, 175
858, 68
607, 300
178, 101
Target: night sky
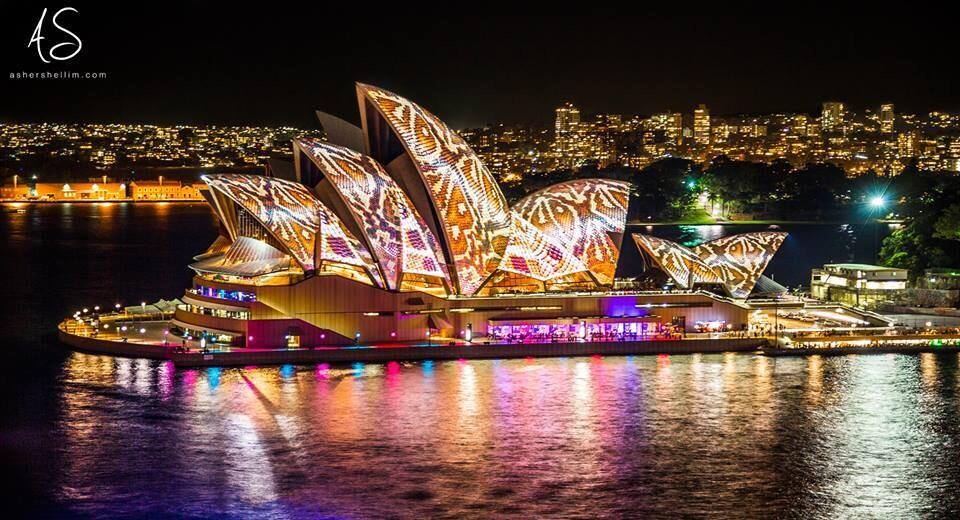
238, 65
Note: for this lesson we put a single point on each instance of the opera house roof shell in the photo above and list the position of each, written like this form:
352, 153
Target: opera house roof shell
403, 203
735, 262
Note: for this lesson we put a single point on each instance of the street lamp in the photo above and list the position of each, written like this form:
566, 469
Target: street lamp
878, 201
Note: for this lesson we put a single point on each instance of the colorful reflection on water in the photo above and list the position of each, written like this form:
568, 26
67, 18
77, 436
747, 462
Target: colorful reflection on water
696, 434
721, 435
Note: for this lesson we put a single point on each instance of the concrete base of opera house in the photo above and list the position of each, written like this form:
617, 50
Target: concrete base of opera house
374, 354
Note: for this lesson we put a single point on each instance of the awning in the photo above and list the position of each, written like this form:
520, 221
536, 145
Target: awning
167, 305
142, 309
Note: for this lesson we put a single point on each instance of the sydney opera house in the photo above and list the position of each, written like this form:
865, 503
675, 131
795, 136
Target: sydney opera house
396, 231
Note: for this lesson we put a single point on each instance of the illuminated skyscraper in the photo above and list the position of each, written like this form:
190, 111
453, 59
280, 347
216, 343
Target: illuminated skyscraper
701, 126
831, 119
670, 123
887, 118
907, 144
568, 118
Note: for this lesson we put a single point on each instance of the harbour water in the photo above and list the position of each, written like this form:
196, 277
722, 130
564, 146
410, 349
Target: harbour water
718, 434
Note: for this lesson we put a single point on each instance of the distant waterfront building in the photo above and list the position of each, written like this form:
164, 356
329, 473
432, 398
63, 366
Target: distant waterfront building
862, 285
568, 118
163, 190
832, 116
101, 189
887, 118
50, 191
701, 126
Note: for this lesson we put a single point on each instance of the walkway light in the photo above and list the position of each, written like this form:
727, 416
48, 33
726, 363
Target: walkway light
142, 330
878, 201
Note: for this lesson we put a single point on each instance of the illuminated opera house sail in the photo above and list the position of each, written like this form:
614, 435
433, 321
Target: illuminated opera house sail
396, 230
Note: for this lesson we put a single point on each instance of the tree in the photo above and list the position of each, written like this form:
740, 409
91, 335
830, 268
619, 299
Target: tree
947, 226
929, 237
666, 189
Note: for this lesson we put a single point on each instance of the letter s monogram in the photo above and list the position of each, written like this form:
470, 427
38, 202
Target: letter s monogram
37, 37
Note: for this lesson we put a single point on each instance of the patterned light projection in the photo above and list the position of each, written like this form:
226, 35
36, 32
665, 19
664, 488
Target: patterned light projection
736, 261
682, 264
399, 239
534, 254
296, 219
739, 260
217, 248
582, 214
470, 206
246, 257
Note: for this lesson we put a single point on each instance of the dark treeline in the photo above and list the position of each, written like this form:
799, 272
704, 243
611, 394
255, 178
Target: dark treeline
672, 189
680, 189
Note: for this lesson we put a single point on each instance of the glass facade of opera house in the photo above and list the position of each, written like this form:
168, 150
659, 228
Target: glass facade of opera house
396, 231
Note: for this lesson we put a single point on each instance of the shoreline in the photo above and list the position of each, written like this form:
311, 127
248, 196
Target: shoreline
760, 222
373, 354
441, 352
100, 201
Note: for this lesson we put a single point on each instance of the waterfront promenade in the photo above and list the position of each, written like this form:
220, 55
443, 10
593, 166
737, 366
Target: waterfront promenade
151, 340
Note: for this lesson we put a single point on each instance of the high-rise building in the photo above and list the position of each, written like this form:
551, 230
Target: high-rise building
799, 124
568, 118
701, 126
831, 119
887, 118
907, 144
670, 123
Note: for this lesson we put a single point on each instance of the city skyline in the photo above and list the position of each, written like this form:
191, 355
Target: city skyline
883, 139
271, 73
